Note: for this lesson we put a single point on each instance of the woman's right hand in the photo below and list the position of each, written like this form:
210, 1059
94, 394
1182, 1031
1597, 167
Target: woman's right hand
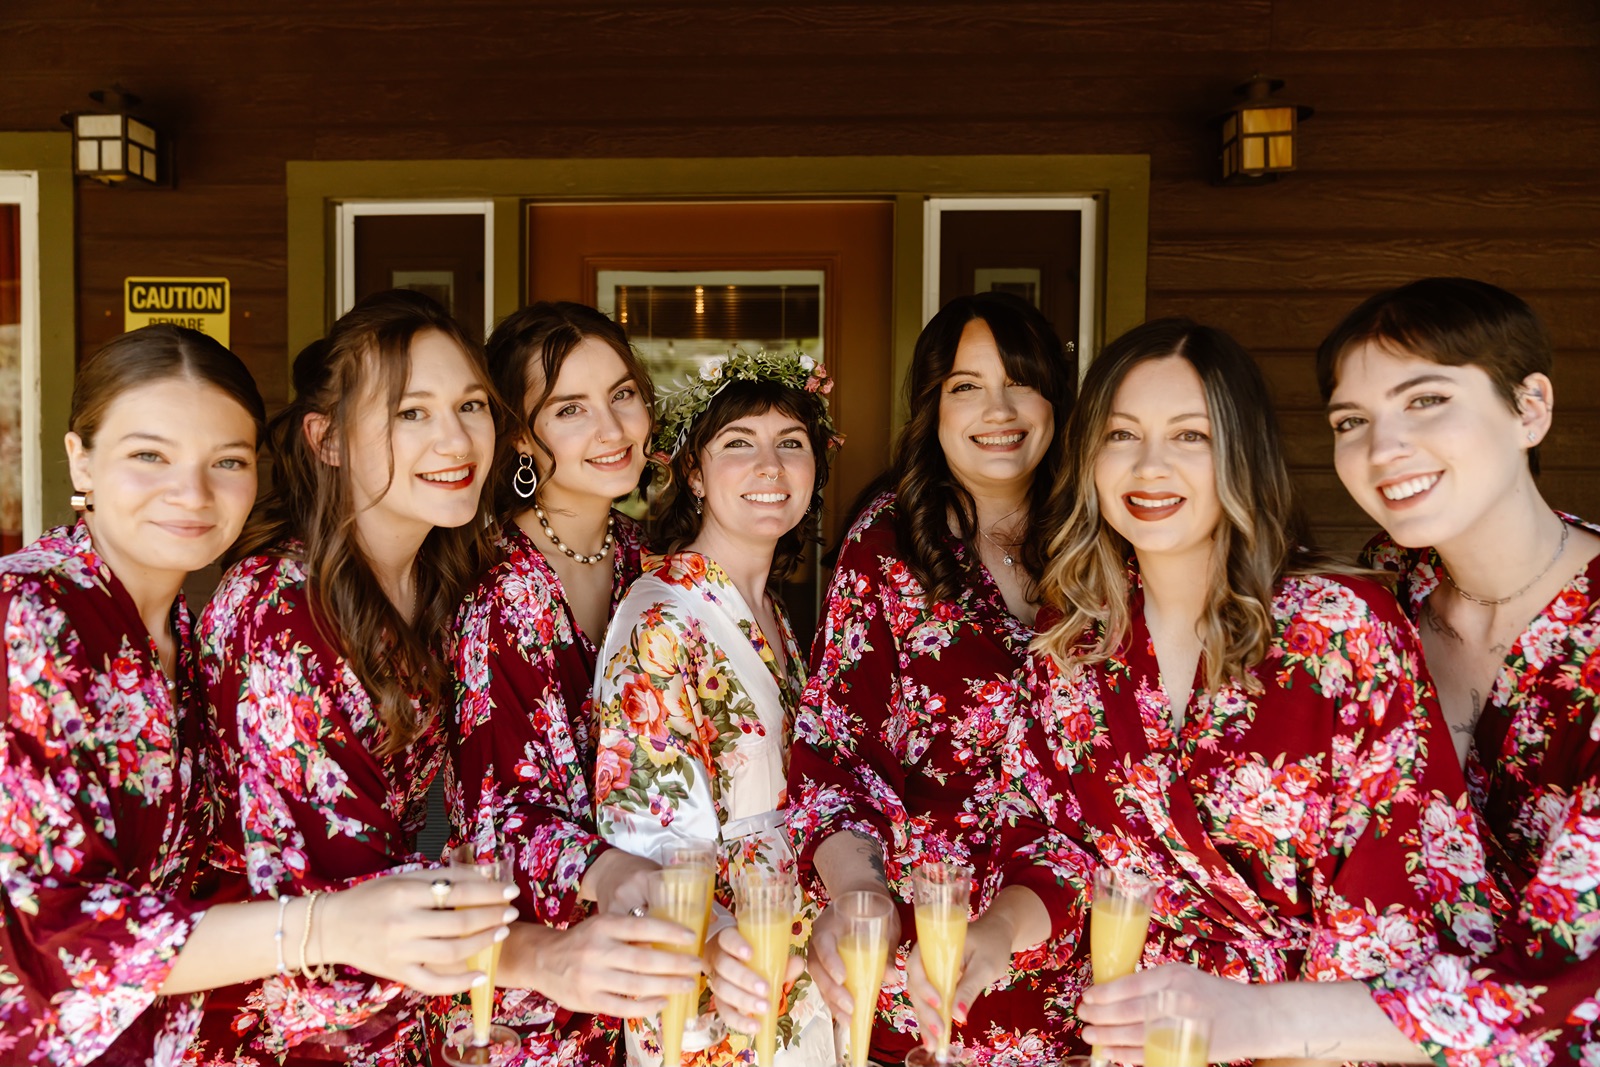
741, 993
825, 966
390, 926
985, 957
604, 965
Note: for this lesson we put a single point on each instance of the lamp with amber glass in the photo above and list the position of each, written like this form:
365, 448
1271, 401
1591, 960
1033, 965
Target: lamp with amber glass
1258, 134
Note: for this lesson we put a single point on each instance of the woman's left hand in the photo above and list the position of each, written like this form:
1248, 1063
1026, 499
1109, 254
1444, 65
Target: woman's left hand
985, 958
1241, 1024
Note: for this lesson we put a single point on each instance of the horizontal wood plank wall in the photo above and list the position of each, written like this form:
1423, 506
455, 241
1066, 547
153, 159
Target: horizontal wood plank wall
1450, 137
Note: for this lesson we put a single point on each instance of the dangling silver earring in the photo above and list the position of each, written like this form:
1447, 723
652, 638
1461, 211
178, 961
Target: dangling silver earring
525, 482
699, 502
82, 501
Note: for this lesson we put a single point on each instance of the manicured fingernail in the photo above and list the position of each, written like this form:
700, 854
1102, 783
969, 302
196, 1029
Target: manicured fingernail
761, 989
509, 916
510, 892
502, 933
481, 980
961, 1011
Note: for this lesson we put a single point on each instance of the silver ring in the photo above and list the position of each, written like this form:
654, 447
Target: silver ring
440, 888
638, 911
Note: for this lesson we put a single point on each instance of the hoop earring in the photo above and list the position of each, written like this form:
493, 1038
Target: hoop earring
82, 501
525, 482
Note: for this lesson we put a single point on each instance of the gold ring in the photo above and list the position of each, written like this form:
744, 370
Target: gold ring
441, 892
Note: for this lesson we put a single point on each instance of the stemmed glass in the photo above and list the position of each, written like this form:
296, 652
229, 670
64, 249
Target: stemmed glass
680, 894
766, 905
864, 949
1119, 921
484, 1043
943, 895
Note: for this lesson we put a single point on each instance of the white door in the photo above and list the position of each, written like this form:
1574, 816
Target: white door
21, 506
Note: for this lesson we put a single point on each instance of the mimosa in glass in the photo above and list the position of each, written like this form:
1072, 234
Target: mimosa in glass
1175, 1035
943, 896
766, 903
864, 948
699, 1031
484, 1043
1119, 921
680, 894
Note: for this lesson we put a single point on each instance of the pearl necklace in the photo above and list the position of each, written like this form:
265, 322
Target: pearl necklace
605, 546
1486, 601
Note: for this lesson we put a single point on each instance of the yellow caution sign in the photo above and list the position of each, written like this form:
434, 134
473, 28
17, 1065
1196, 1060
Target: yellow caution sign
198, 303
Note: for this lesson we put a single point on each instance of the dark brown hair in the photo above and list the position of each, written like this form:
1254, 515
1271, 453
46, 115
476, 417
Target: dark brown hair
1261, 537
926, 490
1453, 321
544, 335
675, 522
367, 352
152, 354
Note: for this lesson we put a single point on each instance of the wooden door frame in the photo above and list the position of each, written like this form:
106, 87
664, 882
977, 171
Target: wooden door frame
1120, 182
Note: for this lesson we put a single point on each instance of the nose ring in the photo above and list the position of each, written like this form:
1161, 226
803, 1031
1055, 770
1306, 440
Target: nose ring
770, 477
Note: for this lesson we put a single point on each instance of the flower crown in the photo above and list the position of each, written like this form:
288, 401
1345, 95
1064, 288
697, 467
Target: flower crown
677, 409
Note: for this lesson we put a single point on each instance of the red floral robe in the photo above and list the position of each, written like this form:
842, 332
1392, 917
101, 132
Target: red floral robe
898, 737
1534, 774
310, 805
1317, 829
522, 754
98, 815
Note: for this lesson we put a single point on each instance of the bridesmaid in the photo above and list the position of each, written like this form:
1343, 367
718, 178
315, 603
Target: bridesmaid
1224, 713
102, 805
322, 649
700, 674
928, 619
522, 751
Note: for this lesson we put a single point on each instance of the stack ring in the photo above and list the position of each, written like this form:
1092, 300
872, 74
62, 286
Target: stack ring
441, 892
639, 911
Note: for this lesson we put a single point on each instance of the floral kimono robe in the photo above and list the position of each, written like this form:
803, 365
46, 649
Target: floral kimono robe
1534, 775
695, 714
98, 798
522, 755
1317, 829
309, 805
898, 737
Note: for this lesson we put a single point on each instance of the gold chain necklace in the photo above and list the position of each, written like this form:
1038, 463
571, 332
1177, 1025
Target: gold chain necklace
1487, 602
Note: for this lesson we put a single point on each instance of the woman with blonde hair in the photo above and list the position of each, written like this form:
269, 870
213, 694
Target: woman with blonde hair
1219, 712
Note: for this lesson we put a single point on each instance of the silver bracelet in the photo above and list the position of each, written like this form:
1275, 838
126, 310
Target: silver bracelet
277, 936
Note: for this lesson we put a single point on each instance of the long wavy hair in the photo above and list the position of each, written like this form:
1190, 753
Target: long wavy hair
927, 492
674, 520
544, 335
1260, 538
310, 512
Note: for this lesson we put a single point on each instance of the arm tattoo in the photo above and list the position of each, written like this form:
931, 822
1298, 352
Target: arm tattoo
870, 849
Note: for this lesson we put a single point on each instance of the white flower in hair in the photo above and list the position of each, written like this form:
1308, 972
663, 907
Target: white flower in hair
711, 370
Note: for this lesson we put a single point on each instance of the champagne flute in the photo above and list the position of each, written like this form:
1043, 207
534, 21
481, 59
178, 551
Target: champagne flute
484, 1043
766, 903
701, 1031
1175, 1035
1119, 921
679, 894
864, 949
943, 895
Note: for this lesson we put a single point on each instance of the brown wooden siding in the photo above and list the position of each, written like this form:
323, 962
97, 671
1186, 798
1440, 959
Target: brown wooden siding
1459, 137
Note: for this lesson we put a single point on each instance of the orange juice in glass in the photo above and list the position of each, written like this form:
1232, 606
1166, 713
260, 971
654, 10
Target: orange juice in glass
680, 894
864, 949
484, 1043
1175, 1035
766, 906
1119, 921
943, 895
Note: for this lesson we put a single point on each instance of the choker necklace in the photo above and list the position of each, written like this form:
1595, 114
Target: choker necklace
1486, 602
605, 546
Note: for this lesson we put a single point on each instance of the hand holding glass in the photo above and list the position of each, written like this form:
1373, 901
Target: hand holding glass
682, 895
864, 949
1174, 1033
485, 1043
943, 896
1119, 921
766, 903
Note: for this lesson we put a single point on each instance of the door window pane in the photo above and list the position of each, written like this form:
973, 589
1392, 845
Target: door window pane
10, 377
440, 255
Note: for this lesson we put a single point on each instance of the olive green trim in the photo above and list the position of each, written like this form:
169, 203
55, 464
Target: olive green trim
1121, 182
50, 156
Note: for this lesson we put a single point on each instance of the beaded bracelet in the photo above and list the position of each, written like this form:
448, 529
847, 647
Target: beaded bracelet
277, 937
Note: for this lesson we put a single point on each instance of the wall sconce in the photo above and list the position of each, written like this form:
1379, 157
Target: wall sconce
1258, 134
112, 146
